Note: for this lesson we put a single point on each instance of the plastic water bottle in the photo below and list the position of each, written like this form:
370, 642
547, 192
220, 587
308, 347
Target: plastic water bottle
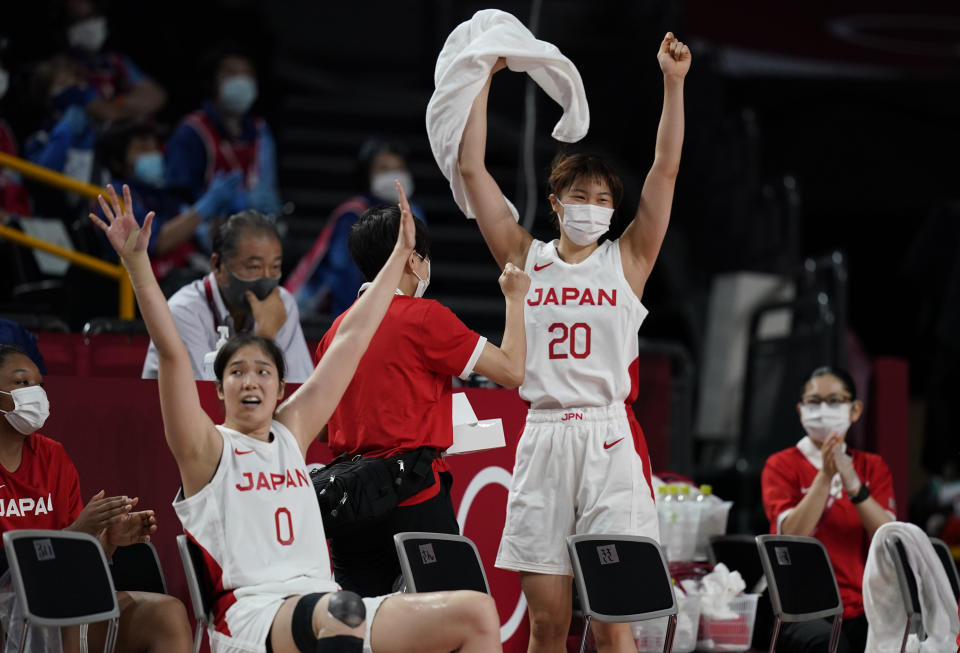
211, 356
688, 518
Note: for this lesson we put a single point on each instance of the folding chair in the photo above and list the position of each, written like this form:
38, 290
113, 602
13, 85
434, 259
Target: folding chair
136, 568
802, 584
437, 562
622, 578
60, 578
946, 557
192, 560
908, 589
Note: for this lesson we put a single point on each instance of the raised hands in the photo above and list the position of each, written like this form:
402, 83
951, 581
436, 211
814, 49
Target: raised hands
674, 57
122, 230
407, 238
514, 282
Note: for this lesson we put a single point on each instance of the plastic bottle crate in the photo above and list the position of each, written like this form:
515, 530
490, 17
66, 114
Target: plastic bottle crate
650, 635
729, 634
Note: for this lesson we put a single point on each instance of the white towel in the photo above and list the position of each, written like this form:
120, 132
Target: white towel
463, 66
884, 607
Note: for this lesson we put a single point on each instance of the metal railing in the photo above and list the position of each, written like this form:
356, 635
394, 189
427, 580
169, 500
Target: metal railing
91, 263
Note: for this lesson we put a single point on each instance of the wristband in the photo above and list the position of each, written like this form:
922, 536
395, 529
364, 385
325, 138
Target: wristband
862, 494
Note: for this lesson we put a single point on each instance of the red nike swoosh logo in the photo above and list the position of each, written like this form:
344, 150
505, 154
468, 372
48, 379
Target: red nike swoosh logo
607, 446
240, 453
537, 268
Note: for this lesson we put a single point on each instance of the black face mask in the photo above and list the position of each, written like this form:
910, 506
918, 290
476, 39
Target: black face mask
234, 293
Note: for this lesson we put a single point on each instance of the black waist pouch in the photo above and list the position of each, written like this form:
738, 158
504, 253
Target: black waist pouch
354, 493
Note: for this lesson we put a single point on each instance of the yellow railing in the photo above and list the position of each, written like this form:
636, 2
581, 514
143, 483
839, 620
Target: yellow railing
98, 266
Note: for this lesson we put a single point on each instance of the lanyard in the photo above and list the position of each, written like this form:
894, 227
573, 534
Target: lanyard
213, 307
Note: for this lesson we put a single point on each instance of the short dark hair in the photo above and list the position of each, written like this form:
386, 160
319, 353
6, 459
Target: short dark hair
237, 342
6, 351
840, 373
238, 225
566, 168
113, 143
374, 236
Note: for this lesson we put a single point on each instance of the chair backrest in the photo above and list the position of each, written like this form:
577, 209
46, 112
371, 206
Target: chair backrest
905, 577
136, 568
200, 595
800, 577
435, 562
738, 553
60, 577
621, 577
949, 565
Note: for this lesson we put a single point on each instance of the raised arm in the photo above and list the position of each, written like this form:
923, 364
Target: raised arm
642, 238
307, 410
506, 364
194, 441
507, 240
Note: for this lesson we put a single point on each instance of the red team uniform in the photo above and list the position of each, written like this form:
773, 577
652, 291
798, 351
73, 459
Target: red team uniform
44, 492
582, 464
788, 476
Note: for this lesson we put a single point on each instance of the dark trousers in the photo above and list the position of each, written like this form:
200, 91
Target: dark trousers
814, 636
366, 562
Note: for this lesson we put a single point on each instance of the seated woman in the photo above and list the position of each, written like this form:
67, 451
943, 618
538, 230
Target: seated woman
821, 488
246, 499
39, 488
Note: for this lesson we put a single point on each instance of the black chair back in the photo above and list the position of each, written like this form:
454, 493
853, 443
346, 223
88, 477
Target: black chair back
136, 568
436, 562
60, 578
801, 582
201, 596
949, 565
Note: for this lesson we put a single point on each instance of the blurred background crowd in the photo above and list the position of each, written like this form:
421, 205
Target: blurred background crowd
816, 217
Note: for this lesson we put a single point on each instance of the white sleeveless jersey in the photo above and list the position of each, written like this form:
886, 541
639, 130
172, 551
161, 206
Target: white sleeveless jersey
581, 324
258, 521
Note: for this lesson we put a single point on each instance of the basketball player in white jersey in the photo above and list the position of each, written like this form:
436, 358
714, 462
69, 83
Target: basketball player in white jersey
246, 498
582, 464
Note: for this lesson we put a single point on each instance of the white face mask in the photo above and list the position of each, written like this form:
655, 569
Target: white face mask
820, 420
381, 184
422, 283
88, 34
585, 223
30, 409
4, 82
238, 93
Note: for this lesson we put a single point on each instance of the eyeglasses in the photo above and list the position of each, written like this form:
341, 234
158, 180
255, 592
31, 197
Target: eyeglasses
832, 400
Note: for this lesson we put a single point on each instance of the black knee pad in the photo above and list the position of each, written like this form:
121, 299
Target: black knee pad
346, 607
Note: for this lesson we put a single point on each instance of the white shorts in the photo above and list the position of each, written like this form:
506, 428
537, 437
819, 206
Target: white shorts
578, 470
251, 617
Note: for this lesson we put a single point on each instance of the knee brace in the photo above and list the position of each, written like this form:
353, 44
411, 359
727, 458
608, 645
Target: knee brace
345, 607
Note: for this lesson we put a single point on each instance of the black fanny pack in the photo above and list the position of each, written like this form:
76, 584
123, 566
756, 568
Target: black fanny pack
356, 492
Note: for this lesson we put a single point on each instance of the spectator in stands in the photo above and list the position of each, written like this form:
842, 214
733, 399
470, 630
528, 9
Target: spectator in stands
39, 488
398, 404
326, 280
225, 136
66, 142
821, 488
240, 293
123, 91
131, 153
14, 199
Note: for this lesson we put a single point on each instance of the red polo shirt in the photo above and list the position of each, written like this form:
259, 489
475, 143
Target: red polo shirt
44, 492
400, 396
788, 476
